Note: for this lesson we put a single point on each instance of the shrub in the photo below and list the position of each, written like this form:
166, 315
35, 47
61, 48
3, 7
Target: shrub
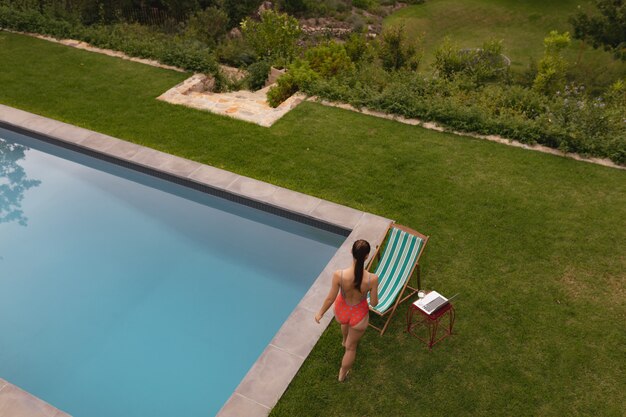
552, 68
299, 76
357, 48
132, 39
208, 25
448, 61
257, 75
571, 121
478, 65
293, 7
329, 59
238, 9
396, 52
357, 23
273, 37
236, 52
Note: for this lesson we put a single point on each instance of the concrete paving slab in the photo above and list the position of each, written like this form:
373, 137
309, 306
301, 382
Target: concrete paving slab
214, 177
11, 115
299, 333
39, 124
334, 213
180, 166
240, 406
15, 402
251, 188
293, 200
269, 376
124, 150
371, 228
70, 133
150, 158
98, 142
315, 295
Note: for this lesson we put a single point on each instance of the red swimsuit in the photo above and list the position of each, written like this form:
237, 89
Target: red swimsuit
347, 313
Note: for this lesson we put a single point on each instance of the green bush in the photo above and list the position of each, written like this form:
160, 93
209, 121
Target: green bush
235, 52
478, 65
293, 7
274, 37
396, 51
207, 26
571, 120
132, 39
299, 76
358, 49
329, 59
552, 68
257, 75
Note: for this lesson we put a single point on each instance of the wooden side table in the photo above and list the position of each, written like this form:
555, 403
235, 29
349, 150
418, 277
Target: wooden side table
417, 319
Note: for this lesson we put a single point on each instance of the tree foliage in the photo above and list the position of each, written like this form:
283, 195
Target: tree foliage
13, 182
396, 51
274, 38
477, 64
606, 29
552, 68
208, 25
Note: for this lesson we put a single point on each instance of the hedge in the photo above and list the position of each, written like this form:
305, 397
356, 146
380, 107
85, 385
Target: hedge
132, 39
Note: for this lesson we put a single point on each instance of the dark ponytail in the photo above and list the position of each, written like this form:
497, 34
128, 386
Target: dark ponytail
360, 250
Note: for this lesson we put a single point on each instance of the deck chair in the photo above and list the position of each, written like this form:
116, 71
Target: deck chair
399, 261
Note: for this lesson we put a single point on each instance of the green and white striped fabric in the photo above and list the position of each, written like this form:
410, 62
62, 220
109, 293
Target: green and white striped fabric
395, 266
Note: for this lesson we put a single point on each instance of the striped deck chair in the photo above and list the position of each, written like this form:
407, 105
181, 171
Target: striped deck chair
395, 269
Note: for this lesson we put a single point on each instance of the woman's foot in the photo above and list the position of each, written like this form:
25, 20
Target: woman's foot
343, 376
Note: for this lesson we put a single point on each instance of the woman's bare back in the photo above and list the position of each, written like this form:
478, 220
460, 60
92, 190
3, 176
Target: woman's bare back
353, 295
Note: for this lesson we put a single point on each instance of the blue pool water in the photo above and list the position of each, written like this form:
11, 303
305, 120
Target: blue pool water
124, 295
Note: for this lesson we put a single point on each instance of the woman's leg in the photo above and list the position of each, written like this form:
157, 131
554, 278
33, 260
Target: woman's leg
344, 331
354, 335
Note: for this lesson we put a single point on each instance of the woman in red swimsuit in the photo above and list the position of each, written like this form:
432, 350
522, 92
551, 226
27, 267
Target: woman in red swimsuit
349, 292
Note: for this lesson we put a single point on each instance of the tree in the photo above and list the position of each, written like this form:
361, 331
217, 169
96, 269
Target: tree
396, 51
552, 68
608, 29
293, 7
13, 182
238, 9
208, 25
274, 38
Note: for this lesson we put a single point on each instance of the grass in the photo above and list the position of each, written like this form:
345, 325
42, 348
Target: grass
533, 243
521, 25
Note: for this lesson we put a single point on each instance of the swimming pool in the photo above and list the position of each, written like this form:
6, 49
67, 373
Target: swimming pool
124, 294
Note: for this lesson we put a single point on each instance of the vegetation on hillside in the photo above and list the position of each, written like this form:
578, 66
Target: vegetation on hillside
607, 28
475, 88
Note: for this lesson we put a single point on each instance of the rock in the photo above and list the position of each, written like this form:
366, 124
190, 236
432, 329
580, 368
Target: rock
208, 84
266, 5
234, 33
273, 76
232, 73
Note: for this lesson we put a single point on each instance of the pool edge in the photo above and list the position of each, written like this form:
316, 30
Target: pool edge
270, 375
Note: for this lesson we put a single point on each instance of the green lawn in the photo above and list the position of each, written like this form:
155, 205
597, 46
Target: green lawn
533, 243
520, 24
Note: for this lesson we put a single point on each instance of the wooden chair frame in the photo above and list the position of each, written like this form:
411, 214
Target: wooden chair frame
414, 270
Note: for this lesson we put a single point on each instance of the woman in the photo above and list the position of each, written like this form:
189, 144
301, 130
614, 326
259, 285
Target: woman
351, 308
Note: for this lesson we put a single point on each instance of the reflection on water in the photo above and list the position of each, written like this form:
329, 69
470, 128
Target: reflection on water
13, 182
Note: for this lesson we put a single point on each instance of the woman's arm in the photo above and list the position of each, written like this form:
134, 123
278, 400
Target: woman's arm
374, 291
330, 298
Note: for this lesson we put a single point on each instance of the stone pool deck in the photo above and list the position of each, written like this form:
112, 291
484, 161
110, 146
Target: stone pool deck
269, 377
15, 402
